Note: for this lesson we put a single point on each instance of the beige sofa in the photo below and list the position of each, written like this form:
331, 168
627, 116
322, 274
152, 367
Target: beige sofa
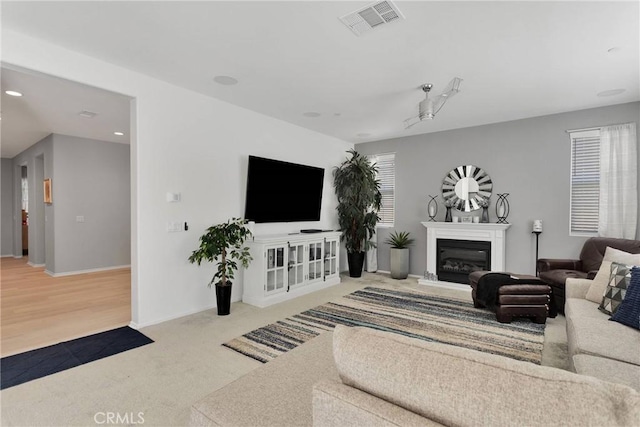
388, 379
599, 347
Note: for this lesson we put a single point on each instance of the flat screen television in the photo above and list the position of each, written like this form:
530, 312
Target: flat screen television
280, 191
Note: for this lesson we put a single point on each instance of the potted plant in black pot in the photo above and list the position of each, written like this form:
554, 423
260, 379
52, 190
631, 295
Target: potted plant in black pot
400, 242
224, 243
359, 199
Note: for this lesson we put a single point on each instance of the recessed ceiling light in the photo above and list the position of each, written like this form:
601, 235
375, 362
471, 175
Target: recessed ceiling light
13, 93
311, 114
118, 133
225, 80
611, 92
363, 134
614, 49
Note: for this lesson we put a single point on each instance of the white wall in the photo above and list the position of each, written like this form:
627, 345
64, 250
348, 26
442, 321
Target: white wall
188, 143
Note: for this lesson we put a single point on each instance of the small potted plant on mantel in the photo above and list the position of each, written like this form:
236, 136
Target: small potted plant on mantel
224, 243
400, 242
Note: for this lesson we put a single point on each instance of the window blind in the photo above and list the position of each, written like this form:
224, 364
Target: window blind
585, 181
386, 164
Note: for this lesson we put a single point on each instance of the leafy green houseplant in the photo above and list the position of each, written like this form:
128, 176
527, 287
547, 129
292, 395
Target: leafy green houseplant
359, 198
224, 244
400, 242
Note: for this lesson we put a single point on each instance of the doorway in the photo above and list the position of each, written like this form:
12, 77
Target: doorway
24, 186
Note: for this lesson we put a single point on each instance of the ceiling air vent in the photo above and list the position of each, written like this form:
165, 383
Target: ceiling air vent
87, 114
371, 16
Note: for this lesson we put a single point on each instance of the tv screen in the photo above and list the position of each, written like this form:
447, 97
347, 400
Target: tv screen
279, 191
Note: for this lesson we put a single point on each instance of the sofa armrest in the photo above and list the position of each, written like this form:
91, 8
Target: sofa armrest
337, 405
546, 264
577, 288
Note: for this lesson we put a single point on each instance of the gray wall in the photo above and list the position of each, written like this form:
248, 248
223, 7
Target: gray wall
89, 178
39, 161
6, 207
92, 180
529, 159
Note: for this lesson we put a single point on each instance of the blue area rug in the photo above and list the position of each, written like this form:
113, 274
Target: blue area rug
39, 363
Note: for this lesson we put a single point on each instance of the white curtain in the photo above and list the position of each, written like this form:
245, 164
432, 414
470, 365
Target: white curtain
618, 215
372, 255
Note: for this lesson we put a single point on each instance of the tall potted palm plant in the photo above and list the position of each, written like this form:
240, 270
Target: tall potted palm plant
359, 198
224, 243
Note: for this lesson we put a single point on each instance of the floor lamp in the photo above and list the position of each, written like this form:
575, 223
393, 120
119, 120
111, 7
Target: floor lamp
537, 230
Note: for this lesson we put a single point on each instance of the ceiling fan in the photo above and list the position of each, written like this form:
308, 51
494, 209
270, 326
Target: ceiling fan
429, 107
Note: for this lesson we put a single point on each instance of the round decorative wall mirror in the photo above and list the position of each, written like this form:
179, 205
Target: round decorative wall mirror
466, 188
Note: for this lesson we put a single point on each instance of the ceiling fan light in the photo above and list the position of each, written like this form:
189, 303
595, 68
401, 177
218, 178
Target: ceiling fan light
455, 85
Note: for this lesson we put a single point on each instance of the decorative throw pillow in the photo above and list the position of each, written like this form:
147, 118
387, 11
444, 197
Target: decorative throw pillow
629, 311
599, 284
617, 287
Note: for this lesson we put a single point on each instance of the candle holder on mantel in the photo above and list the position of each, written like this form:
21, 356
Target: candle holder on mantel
502, 208
432, 208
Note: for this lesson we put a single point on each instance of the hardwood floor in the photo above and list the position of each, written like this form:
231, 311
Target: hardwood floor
40, 310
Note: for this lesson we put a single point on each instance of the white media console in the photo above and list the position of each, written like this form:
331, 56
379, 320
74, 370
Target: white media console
286, 266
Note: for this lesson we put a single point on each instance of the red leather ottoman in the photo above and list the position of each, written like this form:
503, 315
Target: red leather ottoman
531, 298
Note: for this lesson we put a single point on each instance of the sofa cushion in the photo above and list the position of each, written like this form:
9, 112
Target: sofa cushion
629, 311
338, 405
599, 285
578, 307
608, 370
450, 385
558, 277
616, 288
599, 337
275, 394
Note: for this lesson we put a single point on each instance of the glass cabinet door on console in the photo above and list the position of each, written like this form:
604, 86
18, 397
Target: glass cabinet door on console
286, 266
276, 269
330, 257
295, 264
315, 261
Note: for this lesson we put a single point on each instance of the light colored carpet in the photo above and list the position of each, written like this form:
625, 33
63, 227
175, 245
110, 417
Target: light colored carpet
186, 363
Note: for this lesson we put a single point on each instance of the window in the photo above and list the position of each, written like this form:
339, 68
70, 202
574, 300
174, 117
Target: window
585, 182
386, 164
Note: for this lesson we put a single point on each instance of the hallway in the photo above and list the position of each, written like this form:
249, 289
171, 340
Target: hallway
39, 310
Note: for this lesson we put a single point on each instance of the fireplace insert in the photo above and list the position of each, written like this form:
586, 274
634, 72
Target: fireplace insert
457, 258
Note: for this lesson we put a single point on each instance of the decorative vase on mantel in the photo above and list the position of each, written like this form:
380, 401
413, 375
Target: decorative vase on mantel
485, 215
447, 217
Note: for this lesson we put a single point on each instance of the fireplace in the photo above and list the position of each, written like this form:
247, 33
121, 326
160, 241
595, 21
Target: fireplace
490, 234
457, 258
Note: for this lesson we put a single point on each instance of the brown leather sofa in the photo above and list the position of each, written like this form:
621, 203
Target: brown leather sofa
555, 272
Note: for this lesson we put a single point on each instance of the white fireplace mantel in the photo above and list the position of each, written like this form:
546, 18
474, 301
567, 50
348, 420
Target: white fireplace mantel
494, 233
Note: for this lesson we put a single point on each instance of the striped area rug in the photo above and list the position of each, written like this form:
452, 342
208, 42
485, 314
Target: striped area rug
407, 312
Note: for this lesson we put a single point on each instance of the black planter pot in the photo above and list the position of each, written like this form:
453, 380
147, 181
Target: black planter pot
356, 262
223, 298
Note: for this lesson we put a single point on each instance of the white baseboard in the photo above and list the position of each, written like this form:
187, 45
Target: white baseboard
135, 325
17, 256
91, 270
9, 255
35, 265
448, 285
415, 276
